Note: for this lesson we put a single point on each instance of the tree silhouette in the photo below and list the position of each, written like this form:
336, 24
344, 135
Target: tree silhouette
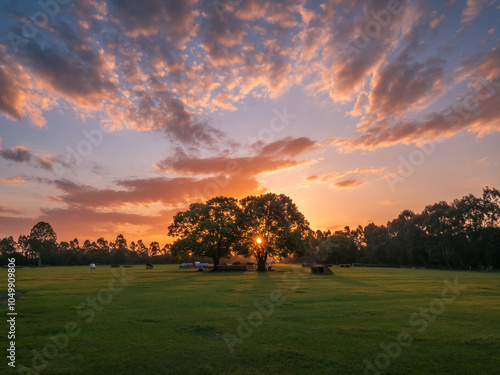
42, 240
277, 222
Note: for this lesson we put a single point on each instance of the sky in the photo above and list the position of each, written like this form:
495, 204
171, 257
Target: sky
115, 115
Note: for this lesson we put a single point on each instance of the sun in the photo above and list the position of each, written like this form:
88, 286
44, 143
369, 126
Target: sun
259, 240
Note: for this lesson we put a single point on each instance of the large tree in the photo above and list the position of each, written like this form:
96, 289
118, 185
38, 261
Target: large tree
273, 226
207, 229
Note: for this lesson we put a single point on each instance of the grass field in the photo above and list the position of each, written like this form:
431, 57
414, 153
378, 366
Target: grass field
171, 321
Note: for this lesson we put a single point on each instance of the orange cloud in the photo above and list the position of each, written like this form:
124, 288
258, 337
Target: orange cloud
269, 159
13, 181
348, 183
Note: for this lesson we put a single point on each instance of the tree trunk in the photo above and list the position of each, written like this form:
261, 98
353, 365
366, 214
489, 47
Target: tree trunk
216, 261
261, 264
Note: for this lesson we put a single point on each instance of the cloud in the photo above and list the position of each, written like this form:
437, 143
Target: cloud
167, 191
19, 97
288, 147
150, 17
473, 8
10, 101
404, 84
475, 111
270, 158
13, 181
348, 183
166, 66
9, 210
344, 180
21, 154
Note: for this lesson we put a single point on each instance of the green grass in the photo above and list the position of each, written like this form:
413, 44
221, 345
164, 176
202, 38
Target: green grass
171, 321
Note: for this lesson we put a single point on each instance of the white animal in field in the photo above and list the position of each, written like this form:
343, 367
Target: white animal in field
92, 266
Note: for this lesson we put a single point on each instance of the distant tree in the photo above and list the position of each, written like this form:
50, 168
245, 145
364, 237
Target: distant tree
206, 229
132, 246
42, 240
491, 206
400, 241
376, 240
142, 251
272, 225
7, 248
103, 251
338, 248
444, 240
74, 245
165, 249
24, 247
154, 249
120, 249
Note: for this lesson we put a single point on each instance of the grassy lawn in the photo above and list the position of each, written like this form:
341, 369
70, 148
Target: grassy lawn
171, 321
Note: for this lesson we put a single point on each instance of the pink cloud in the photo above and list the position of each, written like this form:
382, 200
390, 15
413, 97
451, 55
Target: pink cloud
472, 9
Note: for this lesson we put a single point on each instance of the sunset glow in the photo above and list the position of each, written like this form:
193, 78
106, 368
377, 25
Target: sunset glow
115, 115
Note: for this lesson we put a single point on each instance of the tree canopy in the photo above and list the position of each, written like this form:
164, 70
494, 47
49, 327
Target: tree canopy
272, 225
207, 229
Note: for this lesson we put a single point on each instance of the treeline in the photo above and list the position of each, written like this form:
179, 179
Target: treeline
462, 235
40, 247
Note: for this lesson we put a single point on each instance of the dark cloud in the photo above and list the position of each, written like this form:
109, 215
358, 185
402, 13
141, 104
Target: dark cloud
403, 84
150, 17
78, 75
21, 154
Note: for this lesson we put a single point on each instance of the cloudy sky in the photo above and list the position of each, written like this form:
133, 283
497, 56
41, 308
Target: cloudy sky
116, 114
